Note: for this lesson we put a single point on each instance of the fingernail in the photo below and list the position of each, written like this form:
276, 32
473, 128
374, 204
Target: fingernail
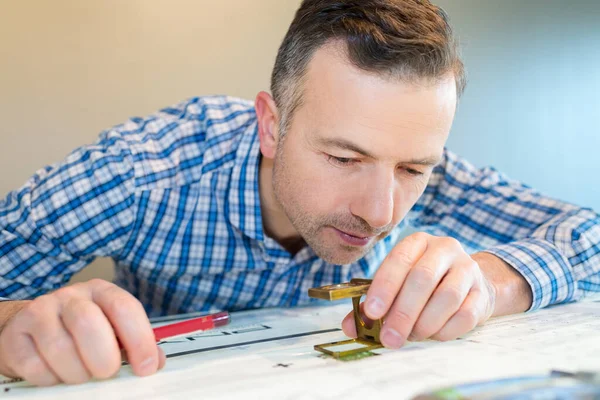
391, 339
374, 307
148, 366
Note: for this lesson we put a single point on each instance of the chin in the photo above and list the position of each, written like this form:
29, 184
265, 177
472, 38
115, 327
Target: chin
342, 257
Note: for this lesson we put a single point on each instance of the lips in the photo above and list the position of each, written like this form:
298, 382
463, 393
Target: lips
356, 235
353, 239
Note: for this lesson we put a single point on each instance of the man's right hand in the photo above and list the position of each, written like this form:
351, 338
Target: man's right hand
71, 334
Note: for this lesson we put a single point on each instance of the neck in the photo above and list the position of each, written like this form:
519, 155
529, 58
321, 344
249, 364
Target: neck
275, 221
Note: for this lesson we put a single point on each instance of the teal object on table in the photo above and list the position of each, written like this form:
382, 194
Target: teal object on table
556, 385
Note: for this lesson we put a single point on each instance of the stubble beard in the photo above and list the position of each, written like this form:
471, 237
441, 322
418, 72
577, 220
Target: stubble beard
311, 228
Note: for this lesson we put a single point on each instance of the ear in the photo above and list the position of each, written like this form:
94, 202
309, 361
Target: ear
268, 124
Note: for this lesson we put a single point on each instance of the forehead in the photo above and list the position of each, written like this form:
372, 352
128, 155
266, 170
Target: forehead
340, 99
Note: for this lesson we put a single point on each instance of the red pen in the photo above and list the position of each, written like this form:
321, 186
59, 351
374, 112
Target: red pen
205, 323
201, 324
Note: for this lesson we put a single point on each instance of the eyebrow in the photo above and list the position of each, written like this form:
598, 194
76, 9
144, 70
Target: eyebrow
347, 145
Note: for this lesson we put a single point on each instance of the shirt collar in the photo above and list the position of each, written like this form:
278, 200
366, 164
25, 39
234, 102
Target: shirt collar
243, 204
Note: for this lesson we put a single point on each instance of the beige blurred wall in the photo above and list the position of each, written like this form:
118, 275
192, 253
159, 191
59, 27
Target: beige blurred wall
72, 68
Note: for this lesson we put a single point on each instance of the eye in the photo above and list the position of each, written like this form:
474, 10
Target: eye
413, 172
341, 161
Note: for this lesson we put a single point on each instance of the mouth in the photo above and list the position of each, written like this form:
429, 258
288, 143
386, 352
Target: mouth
352, 238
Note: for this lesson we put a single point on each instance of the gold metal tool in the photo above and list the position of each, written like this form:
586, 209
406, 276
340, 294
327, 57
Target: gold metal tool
367, 336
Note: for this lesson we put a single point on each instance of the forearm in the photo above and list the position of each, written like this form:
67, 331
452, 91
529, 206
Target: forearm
513, 293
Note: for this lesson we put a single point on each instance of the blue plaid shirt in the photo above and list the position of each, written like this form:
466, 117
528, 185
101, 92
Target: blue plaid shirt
173, 198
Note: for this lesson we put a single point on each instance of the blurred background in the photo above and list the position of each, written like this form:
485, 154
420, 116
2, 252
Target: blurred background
71, 69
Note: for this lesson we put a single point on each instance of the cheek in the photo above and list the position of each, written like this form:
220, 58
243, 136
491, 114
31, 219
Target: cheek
415, 188
321, 185
406, 196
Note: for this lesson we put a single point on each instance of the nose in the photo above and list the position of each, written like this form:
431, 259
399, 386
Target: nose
374, 201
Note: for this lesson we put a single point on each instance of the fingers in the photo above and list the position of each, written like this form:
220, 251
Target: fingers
391, 274
69, 336
418, 287
29, 365
445, 301
348, 326
426, 286
55, 344
465, 319
129, 320
162, 358
93, 336
20, 357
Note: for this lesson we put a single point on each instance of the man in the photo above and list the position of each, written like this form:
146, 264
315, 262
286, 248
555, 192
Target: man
219, 203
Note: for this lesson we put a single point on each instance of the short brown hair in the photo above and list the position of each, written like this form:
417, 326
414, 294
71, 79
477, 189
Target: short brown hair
410, 39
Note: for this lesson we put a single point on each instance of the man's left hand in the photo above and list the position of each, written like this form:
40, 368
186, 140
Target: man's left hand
427, 287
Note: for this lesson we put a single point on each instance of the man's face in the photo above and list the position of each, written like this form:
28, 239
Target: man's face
358, 155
